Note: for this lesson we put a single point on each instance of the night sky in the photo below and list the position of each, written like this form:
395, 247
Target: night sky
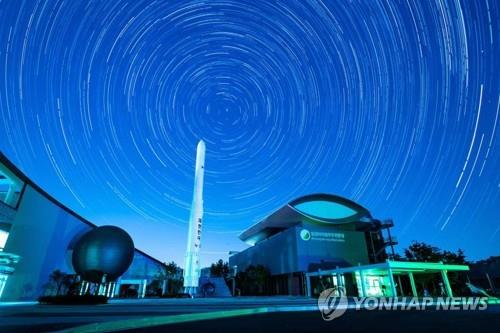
392, 104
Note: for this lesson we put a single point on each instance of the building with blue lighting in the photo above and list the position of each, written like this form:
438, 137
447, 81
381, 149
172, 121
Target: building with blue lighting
322, 240
37, 236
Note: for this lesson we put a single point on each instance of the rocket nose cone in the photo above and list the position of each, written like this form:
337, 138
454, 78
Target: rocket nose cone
201, 145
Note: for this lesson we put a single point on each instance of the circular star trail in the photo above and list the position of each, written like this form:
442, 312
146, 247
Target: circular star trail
392, 104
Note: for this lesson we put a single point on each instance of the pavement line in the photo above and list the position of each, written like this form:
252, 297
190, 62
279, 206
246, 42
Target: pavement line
127, 324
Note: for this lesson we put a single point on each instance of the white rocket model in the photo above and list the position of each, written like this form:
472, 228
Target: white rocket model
192, 264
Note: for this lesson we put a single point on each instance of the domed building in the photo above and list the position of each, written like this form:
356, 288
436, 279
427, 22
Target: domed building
324, 240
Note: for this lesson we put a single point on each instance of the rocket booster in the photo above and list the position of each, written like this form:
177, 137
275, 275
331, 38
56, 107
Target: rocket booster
192, 263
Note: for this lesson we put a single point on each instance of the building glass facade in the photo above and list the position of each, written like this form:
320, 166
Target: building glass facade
312, 233
31, 251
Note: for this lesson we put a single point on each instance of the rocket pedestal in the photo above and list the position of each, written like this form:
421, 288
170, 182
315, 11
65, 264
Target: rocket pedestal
192, 263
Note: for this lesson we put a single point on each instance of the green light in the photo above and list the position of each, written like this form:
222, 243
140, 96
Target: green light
128, 324
409, 265
305, 234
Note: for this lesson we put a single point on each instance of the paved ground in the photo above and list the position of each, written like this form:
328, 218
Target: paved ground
252, 314
32, 317
351, 321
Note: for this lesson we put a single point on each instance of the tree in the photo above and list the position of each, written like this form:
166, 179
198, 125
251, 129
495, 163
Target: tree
220, 269
57, 278
420, 251
253, 280
172, 269
61, 280
171, 273
423, 252
454, 258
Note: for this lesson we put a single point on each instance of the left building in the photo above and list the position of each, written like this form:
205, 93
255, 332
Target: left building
37, 235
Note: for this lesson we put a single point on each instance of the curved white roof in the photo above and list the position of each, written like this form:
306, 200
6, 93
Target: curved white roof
317, 208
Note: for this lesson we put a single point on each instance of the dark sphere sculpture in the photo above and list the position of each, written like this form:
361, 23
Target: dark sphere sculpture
104, 250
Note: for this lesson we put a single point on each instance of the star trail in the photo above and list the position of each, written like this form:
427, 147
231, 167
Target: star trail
394, 104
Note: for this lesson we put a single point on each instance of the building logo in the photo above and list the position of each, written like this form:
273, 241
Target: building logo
322, 236
305, 234
331, 305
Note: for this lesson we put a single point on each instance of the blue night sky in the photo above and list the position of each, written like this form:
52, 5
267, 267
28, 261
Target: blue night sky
392, 104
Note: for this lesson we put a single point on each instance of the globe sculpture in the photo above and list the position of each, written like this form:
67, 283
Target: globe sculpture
106, 250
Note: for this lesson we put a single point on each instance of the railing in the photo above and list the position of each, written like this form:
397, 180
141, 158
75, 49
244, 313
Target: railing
390, 240
389, 223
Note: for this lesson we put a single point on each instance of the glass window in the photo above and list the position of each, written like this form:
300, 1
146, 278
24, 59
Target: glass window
325, 209
10, 187
3, 238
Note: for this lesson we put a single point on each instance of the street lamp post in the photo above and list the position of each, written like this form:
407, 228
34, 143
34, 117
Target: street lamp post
235, 270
